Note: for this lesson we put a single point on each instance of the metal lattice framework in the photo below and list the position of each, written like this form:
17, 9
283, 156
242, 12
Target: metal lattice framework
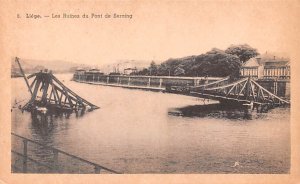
47, 91
243, 91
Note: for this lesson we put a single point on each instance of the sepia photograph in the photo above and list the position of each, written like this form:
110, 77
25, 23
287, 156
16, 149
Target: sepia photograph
174, 88
210, 113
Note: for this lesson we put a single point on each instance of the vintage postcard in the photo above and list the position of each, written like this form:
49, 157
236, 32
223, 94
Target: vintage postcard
149, 91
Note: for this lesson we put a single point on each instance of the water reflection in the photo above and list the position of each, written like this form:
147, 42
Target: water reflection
42, 124
218, 111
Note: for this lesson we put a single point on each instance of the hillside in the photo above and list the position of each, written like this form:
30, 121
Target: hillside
57, 66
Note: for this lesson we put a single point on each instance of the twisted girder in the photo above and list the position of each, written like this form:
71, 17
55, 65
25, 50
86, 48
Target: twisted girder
215, 83
49, 91
245, 89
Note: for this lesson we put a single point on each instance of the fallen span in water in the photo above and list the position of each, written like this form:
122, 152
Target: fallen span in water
244, 92
48, 94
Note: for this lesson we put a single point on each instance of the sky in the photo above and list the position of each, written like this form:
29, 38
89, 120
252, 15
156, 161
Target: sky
158, 30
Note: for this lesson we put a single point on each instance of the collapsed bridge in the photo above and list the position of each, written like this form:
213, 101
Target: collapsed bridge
244, 91
50, 94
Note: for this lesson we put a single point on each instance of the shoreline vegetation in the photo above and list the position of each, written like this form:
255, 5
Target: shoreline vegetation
214, 63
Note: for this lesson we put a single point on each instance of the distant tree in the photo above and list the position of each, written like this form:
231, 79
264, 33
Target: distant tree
179, 71
163, 70
244, 52
153, 68
215, 63
169, 67
145, 71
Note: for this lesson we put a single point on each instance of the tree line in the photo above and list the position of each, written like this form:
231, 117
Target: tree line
214, 63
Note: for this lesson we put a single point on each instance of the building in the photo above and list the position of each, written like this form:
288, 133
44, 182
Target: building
122, 66
94, 71
279, 69
130, 71
263, 67
79, 71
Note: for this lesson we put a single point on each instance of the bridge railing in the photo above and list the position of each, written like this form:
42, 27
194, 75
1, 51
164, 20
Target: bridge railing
54, 168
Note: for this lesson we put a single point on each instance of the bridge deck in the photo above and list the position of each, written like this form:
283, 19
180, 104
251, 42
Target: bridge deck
243, 91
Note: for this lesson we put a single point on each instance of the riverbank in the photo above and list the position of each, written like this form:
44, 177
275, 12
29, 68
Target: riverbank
279, 87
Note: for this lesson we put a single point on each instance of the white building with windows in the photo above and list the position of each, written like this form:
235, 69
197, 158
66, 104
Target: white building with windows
266, 68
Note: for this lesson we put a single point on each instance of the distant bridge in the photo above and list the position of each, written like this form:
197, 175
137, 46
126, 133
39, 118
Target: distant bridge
242, 92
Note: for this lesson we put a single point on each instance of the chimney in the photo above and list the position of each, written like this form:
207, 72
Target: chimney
274, 57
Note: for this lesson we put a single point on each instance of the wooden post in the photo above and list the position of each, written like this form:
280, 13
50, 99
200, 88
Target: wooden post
55, 160
160, 82
97, 170
149, 82
25, 156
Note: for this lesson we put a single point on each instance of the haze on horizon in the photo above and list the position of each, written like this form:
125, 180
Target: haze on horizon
156, 31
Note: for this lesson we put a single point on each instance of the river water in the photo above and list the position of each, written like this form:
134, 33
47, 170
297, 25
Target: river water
137, 131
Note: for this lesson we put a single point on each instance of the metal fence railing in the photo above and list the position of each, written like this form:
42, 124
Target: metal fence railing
56, 154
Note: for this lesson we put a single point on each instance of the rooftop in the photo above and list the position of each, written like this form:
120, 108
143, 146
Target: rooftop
267, 61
